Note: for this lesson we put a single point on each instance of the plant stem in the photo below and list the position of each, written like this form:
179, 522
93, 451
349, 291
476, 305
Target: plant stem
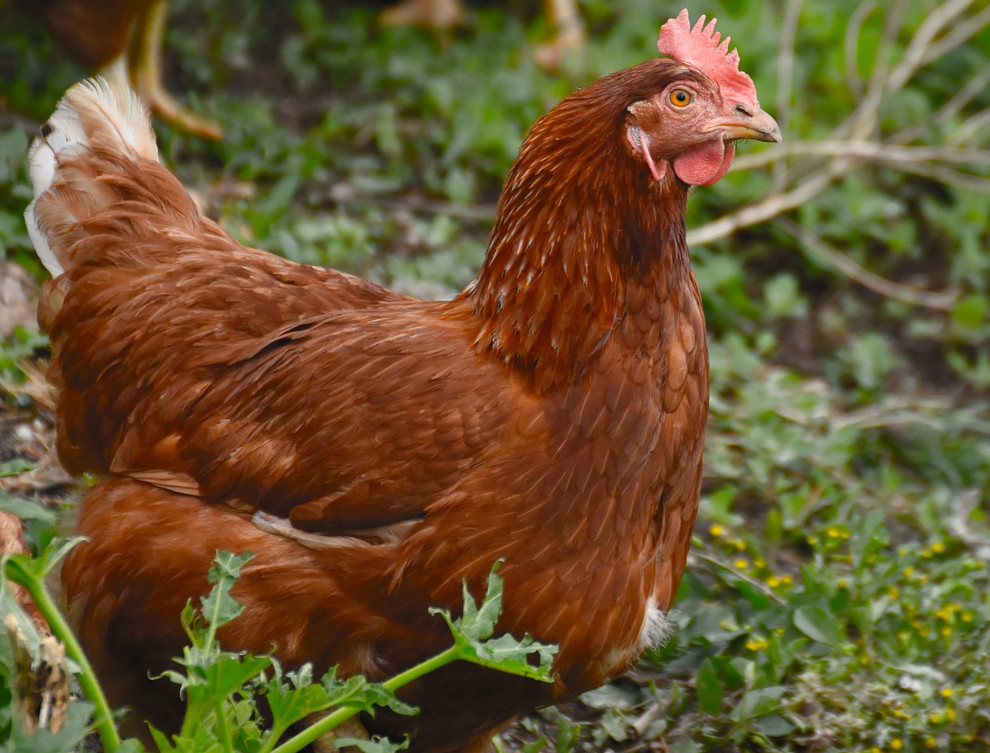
222, 725
341, 715
103, 717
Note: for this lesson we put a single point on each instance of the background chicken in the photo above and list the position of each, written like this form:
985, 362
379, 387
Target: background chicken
122, 41
552, 415
563, 18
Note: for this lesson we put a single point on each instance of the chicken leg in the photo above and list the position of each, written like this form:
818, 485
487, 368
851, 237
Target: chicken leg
145, 73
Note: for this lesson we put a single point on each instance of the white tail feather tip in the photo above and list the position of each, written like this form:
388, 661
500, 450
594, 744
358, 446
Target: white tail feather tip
92, 113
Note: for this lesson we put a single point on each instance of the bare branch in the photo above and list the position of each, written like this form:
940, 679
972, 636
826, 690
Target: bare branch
950, 109
824, 252
896, 411
973, 125
916, 54
851, 47
762, 211
874, 151
785, 78
944, 174
963, 32
861, 124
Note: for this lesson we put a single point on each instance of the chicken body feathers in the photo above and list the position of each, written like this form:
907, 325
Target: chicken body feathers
207, 383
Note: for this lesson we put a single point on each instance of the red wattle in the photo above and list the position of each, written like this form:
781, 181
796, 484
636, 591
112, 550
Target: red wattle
706, 164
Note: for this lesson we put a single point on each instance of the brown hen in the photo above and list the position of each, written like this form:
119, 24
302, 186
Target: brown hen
374, 451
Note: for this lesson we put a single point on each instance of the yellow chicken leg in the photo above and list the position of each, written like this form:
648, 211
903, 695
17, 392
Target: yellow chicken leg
144, 69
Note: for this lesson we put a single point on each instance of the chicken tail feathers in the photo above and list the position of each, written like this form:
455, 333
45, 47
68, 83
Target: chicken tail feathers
92, 119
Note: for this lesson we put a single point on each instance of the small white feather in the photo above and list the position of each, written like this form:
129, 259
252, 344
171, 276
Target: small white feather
40, 242
656, 628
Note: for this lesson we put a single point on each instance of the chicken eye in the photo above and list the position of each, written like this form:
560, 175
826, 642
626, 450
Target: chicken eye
680, 97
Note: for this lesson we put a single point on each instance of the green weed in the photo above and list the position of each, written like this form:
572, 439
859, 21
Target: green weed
223, 689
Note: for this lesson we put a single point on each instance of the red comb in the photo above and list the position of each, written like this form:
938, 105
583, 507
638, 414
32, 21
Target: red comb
700, 47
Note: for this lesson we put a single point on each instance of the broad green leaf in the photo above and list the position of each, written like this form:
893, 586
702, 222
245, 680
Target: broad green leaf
709, 688
818, 624
755, 596
228, 673
774, 725
972, 311
568, 734
28, 509
614, 725
757, 702
735, 671
15, 466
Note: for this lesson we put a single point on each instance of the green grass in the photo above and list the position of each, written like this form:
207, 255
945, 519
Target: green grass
836, 597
